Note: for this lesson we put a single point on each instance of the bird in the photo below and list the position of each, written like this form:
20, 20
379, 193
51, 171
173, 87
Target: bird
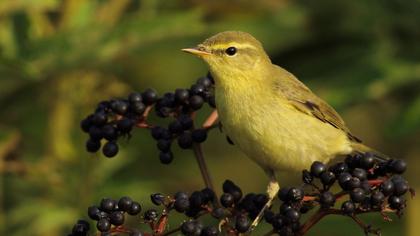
272, 117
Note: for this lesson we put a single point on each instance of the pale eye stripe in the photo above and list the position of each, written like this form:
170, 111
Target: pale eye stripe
238, 46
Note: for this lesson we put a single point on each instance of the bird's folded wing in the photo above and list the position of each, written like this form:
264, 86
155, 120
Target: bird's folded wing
304, 100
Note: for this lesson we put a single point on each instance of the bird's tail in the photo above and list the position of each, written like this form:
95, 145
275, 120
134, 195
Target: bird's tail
362, 149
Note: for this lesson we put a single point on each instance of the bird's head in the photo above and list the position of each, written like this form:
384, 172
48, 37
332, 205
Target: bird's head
231, 54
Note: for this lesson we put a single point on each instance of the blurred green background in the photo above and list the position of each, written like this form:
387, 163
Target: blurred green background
59, 58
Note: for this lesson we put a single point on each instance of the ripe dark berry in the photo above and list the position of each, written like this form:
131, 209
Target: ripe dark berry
398, 166
218, 213
307, 178
185, 121
119, 106
285, 207
157, 198
185, 140
377, 198
181, 195
150, 215
205, 81
400, 187
317, 168
339, 168
343, 180
94, 212
284, 194
109, 132
359, 173
348, 207
357, 195
199, 135
99, 118
125, 203
387, 187
110, 149
242, 223
93, 145
125, 125
175, 127
188, 228
80, 228
365, 186
196, 199
208, 195
353, 183
353, 161
103, 225
95, 133
149, 96
227, 200
292, 215
278, 222
117, 218
86, 123
210, 231
230, 187
166, 157
134, 209
327, 178
295, 194
327, 199
269, 216
164, 145
107, 205
286, 231
396, 202
135, 97
181, 204
367, 161
138, 107
181, 95
260, 200
168, 100
196, 102
197, 89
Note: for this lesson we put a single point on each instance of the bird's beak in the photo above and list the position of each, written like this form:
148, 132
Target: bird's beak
198, 51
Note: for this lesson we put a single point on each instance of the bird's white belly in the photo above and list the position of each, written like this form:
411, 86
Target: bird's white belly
280, 137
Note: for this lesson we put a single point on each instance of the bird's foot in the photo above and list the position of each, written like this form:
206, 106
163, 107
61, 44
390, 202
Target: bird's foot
272, 190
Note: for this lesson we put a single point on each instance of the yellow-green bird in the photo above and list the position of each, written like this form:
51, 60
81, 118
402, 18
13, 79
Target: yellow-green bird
267, 112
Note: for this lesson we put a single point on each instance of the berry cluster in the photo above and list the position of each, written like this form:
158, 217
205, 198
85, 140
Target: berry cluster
235, 209
111, 212
116, 118
368, 184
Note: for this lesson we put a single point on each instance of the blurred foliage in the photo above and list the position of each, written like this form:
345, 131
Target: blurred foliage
58, 58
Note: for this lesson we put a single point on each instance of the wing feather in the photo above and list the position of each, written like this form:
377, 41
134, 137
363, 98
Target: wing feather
304, 100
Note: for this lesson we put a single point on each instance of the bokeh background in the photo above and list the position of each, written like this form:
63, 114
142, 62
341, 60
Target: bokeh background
59, 58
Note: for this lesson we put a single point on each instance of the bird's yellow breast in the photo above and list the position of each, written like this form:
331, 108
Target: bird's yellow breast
272, 132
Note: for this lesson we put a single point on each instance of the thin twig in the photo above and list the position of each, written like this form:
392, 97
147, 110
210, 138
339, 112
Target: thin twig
366, 228
198, 152
211, 119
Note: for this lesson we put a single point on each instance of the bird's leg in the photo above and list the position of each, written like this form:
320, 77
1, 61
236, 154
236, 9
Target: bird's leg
272, 190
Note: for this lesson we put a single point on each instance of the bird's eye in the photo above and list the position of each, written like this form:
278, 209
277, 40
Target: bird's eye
231, 51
